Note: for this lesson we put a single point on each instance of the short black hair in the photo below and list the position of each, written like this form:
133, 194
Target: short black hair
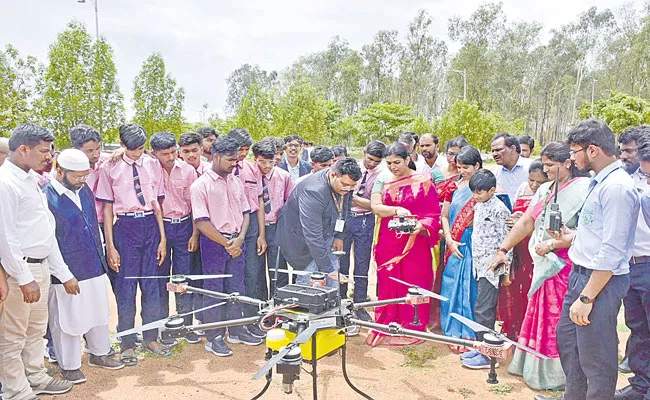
206, 131
483, 179
406, 138
340, 151
633, 134
536, 166
30, 135
643, 147
162, 141
291, 138
468, 155
458, 141
277, 141
435, 138
376, 149
321, 154
397, 149
525, 139
225, 145
508, 140
347, 166
264, 148
190, 138
132, 136
242, 137
593, 132
82, 134
556, 151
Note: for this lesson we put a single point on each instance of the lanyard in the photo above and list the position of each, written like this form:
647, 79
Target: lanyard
339, 205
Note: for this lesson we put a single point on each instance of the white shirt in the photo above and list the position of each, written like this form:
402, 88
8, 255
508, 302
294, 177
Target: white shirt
511, 179
62, 190
421, 165
27, 227
642, 235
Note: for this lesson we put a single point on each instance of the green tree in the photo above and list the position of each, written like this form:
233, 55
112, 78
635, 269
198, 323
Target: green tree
17, 88
79, 85
382, 61
241, 80
621, 111
158, 103
255, 113
301, 111
384, 121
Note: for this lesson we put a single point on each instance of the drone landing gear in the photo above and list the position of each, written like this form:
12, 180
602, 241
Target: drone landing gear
492, 375
314, 373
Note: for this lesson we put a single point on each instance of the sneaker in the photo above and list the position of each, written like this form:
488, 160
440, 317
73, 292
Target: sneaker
106, 362
256, 331
50, 355
74, 375
352, 330
218, 347
200, 332
242, 336
111, 352
192, 338
363, 315
478, 362
55, 386
469, 354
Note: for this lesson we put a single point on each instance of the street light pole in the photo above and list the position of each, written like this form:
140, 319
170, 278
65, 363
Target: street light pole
464, 74
96, 16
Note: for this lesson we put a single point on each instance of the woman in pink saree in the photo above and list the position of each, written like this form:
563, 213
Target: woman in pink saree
551, 268
407, 257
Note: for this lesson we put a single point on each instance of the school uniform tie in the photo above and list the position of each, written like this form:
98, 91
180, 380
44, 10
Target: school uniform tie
265, 196
136, 185
362, 185
237, 169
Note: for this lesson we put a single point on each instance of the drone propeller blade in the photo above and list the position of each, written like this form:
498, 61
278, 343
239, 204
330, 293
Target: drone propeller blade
476, 327
302, 338
161, 322
199, 277
423, 291
148, 277
297, 272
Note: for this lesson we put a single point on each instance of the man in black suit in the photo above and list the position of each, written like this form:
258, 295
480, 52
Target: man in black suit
291, 162
312, 222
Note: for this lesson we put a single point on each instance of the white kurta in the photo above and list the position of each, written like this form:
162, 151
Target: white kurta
78, 314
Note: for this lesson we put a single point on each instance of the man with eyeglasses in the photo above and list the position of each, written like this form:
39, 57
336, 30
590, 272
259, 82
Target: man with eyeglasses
361, 226
512, 168
314, 219
77, 231
291, 162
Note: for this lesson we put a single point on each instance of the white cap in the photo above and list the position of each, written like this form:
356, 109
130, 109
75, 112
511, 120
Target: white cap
73, 160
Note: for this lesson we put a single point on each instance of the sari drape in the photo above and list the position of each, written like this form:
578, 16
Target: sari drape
548, 288
458, 282
406, 257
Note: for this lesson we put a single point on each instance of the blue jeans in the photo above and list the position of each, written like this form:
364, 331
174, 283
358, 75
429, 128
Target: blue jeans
312, 267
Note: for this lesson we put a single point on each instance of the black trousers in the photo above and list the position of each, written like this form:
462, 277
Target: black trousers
485, 310
637, 318
589, 354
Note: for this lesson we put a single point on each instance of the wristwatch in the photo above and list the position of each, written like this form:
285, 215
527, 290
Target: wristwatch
502, 250
586, 300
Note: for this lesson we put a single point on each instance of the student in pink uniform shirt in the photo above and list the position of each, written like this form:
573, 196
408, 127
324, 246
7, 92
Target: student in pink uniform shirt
131, 189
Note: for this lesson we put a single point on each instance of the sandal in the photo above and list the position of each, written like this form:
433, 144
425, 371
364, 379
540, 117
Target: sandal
128, 357
158, 349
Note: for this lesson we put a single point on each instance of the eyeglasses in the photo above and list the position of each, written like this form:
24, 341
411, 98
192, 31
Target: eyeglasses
79, 179
572, 152
293, 145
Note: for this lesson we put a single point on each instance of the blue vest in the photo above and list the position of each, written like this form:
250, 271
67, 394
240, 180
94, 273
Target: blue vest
77, 232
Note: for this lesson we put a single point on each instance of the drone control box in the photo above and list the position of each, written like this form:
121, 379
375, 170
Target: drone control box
313, 299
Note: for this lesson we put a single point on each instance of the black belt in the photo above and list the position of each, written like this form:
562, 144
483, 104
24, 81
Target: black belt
229, 235
360, 214
136, 214
639, 260
30, 260
579, 269
176, 220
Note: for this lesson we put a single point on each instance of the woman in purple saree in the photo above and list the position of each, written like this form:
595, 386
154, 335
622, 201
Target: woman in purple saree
407, 257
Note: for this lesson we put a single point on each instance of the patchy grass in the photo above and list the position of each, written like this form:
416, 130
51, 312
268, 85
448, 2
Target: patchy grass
500, 389
462, 391
418, 356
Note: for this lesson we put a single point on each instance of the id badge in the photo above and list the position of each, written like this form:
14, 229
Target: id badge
340, 224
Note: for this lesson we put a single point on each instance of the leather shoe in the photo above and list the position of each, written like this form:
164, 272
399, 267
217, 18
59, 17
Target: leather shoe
542, 397
624, 366
628, 393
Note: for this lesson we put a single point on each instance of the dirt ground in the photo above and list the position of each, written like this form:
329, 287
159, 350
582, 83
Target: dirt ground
428, 371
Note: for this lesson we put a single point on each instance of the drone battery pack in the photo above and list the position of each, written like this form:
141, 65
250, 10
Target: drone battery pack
313, 299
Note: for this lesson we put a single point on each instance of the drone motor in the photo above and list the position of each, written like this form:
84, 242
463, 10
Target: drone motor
174, 328
289, 367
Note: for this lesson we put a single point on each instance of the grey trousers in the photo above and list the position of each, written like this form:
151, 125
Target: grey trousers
589, 354
485, 310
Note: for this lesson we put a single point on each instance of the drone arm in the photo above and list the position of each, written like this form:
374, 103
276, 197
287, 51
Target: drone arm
224, 324
225, 296
377, 303
396, 329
